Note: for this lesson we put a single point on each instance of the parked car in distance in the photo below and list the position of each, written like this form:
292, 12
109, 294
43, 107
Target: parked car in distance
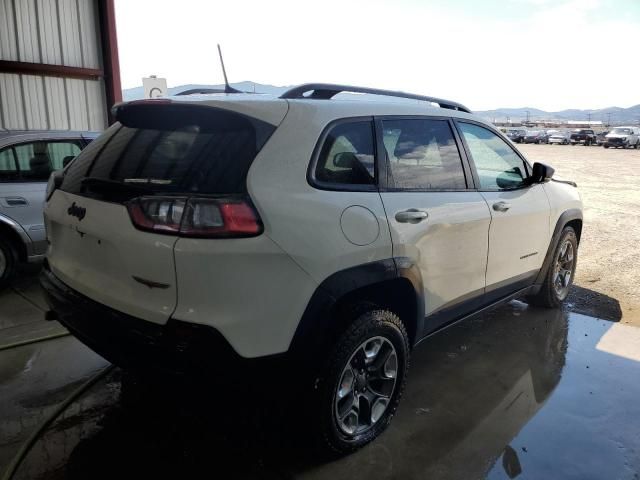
559, 138
536, 136
239, 229
583, 135
623, 137
600, 137
516, 135
27, 159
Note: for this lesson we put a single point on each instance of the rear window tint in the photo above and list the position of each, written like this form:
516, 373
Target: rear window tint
170, 149
348, 155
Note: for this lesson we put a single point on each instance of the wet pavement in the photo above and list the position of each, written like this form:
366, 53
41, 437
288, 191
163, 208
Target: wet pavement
517, 393
23, 308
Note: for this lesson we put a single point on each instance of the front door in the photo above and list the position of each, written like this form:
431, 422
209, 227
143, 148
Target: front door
519, 233
435, 218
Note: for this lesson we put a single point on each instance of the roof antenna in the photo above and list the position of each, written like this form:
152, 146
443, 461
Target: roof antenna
227, 88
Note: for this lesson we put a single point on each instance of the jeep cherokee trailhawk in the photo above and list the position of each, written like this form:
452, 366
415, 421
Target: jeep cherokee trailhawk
334, 230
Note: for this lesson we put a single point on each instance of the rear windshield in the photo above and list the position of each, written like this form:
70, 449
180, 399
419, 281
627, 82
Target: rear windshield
168, 149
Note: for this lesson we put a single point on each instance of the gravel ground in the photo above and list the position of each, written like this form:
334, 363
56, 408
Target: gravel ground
608, 274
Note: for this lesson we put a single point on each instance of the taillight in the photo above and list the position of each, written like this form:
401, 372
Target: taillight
195, 217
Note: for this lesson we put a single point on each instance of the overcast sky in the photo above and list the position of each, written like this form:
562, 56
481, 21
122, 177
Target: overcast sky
548, 54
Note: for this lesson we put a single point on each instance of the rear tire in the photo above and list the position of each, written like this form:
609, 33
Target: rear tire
348, 411
559, 276
8, 262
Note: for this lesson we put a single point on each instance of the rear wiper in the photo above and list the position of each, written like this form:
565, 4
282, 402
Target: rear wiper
113, 185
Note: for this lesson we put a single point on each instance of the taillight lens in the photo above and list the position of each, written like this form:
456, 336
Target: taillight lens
195, 217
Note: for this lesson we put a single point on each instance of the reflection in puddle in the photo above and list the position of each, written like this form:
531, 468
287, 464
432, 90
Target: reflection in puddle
484, 399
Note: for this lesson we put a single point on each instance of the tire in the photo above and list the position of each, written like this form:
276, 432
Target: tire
8, 262
637, 145
606, 146
335, 386
550, 295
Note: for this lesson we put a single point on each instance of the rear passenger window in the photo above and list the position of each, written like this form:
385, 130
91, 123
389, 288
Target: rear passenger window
348, 155
423, 155
8, 166
34, 161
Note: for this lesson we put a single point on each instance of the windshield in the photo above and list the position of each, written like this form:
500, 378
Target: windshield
621, 131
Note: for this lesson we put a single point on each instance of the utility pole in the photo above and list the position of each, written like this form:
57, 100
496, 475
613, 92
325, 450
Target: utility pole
527, 117
608, 119
589, 117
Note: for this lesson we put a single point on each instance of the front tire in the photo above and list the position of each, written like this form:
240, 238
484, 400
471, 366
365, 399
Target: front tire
559, 276
358, 390
8, 262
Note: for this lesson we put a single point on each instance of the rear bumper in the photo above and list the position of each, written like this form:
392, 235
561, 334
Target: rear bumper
133, 343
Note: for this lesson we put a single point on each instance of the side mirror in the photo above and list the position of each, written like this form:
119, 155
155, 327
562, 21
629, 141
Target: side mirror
542, 172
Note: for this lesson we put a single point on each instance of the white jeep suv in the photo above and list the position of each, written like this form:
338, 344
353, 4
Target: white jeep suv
333, 233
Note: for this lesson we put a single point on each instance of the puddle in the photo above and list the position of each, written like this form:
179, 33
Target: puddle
508, 395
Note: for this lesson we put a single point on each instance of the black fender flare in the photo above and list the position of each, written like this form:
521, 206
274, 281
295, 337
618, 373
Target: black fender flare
566, 217
314, 327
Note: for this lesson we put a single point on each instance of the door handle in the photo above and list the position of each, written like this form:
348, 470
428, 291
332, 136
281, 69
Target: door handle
501, 206
413, 215
16, 201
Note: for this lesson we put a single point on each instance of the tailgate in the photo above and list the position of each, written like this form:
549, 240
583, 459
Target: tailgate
104, 257
164, 171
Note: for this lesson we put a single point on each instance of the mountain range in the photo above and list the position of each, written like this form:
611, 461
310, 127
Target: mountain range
614, 115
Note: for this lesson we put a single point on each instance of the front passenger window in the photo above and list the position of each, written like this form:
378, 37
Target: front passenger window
498, 166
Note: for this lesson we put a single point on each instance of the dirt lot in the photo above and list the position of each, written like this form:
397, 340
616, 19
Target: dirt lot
608, 274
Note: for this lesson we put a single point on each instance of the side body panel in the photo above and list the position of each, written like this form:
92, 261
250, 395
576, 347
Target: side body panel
519, 236
305, 221
23, 203
248, 289
449, 246
562, 198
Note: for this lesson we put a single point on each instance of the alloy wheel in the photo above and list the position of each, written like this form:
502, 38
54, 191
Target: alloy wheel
563, 269
366, 386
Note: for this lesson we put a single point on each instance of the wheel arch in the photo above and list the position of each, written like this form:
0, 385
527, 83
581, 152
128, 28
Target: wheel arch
392, 284
572, 218
8, 230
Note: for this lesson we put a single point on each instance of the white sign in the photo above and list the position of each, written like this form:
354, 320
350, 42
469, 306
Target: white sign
154, 87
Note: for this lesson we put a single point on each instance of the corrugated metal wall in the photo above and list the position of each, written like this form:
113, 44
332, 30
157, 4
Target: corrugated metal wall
56, 32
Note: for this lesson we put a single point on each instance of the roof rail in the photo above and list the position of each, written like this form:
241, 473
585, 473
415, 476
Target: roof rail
201, 91
325, 91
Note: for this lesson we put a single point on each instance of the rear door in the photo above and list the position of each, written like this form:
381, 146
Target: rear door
519, 233
434, 214
112, 224
24, 170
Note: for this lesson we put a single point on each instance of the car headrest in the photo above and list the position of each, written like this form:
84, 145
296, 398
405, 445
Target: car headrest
40, 164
